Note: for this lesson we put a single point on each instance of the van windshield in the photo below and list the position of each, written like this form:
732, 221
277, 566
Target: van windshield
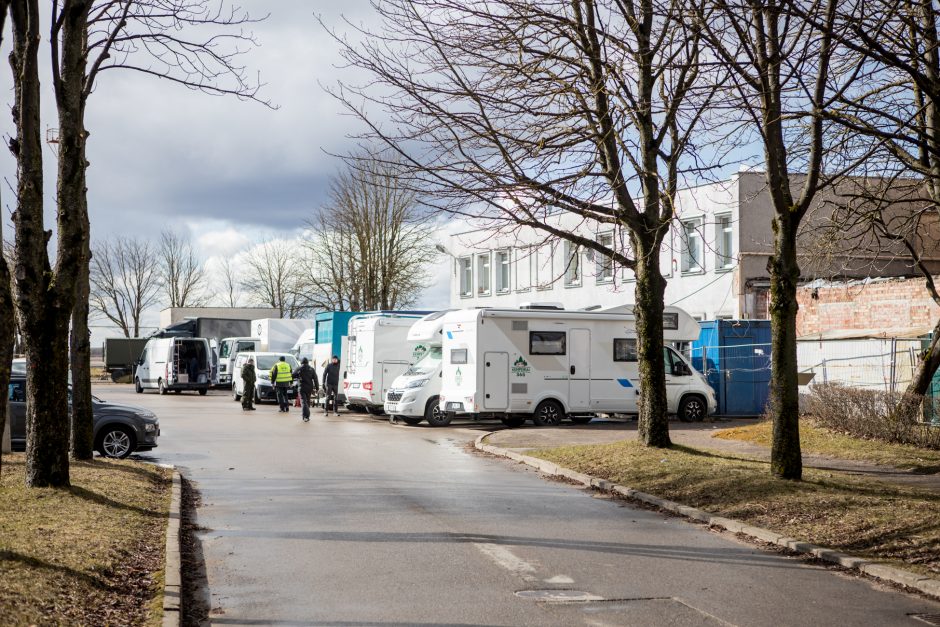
225, 348
427, 364
266, 362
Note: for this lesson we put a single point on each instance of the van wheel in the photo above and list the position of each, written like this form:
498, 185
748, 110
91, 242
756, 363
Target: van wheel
692, 409
434, 415
138, 387
257, 397
548, 414
162, 386
117, 442
203, 391
581, 420
513, 421
410, 420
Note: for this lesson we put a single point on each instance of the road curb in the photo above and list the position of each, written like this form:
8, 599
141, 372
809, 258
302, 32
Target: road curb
925, 585
172, 582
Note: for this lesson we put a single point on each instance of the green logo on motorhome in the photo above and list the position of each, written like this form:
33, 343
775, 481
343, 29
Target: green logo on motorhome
419, 352
458, 377
520, 367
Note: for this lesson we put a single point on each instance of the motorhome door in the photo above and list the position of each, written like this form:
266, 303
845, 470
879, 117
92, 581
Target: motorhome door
495, 380
579, 369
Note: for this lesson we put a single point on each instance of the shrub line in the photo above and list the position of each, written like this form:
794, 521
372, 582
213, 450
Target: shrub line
907, 579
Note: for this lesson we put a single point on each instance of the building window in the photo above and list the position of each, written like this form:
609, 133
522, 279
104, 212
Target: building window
603, 264
625, 349
465, 270
502, 271
524, 269
547, 342
483, 274
572, 265
544, 277
692, 258
724, 242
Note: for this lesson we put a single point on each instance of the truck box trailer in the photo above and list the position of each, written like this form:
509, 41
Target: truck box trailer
516, 364
121, 355
279, 335
378, 353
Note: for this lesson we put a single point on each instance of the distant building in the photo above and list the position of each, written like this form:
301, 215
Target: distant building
172, 315
715, 258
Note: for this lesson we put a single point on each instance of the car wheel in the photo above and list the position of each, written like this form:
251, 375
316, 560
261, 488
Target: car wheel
257, 397
692, 409
434, 415
513, 421
138, 387
203, 391
581, 420
235, 395
116, 442
162, 387
548, 414
410, 420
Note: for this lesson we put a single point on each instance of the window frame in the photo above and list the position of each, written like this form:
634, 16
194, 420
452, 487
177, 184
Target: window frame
564, 342
465, 293
688, 235
602, 261
498, 271
635, 359
724, 259
486, 257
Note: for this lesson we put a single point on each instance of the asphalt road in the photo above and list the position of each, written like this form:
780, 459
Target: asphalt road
353, 521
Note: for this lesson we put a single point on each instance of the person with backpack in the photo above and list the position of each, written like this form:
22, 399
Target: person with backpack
307, 377
331, 385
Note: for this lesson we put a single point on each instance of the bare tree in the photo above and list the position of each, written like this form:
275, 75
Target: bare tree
370, 245
229, 282
274, 275
125, 281
510, 111
181, 271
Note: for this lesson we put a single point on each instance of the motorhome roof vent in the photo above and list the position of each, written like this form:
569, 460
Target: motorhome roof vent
548, 306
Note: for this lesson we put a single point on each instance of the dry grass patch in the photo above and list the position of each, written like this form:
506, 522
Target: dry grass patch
817, 440
92, 554
867, 518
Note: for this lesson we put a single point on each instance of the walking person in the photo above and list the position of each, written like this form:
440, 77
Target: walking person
248, 391
307, 377
331, 385
281, 378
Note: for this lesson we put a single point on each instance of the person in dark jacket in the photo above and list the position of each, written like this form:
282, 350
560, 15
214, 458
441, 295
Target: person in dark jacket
248, 393
307, 377
331, 385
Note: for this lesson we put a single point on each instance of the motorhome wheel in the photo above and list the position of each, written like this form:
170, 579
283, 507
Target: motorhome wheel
548, 414
692, 409
434, 415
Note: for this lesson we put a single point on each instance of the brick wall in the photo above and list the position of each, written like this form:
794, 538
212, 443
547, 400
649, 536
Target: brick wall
891, 304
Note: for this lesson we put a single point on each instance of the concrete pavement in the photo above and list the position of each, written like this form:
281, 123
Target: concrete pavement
352, 521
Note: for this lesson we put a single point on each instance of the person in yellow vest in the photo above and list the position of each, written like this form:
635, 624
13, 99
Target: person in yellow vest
281, 377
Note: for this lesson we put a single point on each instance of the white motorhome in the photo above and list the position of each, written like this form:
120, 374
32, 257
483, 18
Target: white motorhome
175, 364
305, 345
228, 348
378, 352
415, 395
546, 364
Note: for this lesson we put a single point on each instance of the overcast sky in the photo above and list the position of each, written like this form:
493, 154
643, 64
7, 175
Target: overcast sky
232, 173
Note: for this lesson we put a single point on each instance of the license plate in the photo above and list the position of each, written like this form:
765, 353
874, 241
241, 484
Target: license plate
453, 407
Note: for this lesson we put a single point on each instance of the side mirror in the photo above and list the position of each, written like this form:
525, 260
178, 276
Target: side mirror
681, 370
140, 362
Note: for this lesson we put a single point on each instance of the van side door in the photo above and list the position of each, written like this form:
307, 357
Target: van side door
143, 366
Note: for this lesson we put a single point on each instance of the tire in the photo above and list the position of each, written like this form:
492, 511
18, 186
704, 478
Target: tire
514, 421
581, 420
434, 415
116, 442
235, 395
548, 414
203, 391
410, 420
257, 397
162, 386
137, 386
692, 408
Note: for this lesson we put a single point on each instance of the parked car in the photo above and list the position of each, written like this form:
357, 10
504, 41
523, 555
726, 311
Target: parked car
264, 391
119, 429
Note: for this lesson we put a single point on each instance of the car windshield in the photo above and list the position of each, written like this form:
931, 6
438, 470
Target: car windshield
427, 364
266, 362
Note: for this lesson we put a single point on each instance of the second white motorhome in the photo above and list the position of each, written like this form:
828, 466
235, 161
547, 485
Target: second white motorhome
378, 353
543, 364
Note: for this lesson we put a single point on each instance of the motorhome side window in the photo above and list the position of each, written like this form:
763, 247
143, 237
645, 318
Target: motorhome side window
547, 342
458, 355
625, 349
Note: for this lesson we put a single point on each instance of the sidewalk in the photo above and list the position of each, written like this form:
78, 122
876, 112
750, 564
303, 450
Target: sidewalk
699, 436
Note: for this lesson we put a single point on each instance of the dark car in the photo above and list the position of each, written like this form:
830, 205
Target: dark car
119, 429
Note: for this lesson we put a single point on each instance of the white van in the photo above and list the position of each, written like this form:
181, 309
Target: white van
228, 348
415, 395
515, 364
378, 352
175, 364
264, 362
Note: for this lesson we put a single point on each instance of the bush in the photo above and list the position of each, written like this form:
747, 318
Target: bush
872, 414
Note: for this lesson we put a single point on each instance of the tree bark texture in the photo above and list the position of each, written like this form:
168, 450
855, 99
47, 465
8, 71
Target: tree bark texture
7, 314
653, 422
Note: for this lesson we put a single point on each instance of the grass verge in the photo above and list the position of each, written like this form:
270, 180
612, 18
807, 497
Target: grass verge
867, 518
92, 554
819, 441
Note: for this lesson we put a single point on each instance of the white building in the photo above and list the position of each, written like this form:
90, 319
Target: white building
715, 258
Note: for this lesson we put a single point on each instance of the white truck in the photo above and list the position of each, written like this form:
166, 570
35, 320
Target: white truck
279, 335
377, 354
415, 395
516, 364
228, 348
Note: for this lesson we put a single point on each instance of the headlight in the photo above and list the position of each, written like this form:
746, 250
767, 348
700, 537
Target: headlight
150, 427
264, 376
417, 383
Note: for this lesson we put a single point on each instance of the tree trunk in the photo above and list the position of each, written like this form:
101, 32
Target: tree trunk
653, 425
82, 440
785, 458
920, 384
7, 334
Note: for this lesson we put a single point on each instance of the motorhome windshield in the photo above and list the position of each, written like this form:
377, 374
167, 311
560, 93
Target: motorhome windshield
427, 364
